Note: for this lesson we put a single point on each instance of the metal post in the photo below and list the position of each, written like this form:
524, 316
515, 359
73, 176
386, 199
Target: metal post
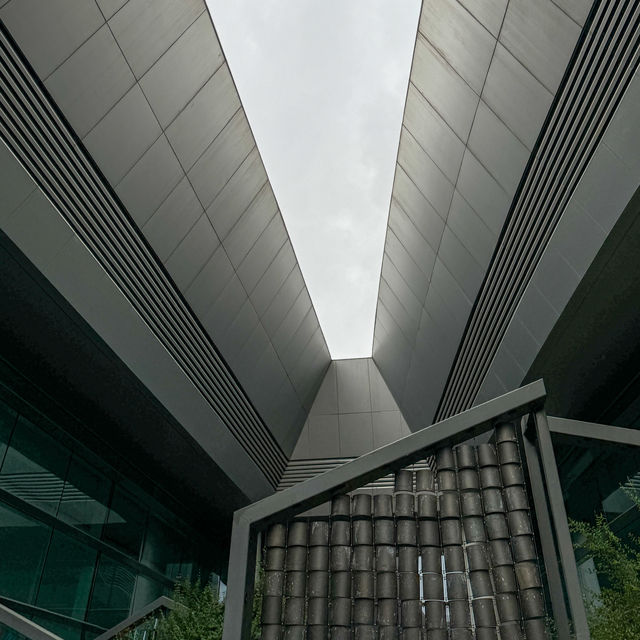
563, 536
242, 569
549, 555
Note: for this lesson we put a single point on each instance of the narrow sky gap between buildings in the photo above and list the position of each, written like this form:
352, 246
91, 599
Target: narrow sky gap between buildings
323, 85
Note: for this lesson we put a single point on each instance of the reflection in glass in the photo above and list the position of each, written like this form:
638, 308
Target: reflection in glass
112, 593
85, 498
596, 477
34, 467
163, 548
126, 522
147, 590
66, 581
66, 631
23, 544
69, 574
7, 420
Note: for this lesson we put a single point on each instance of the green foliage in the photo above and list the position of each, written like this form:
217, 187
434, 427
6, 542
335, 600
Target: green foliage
199, 615
614, 613
256, 614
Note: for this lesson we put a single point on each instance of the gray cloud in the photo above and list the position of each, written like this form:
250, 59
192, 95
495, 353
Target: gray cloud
323, 84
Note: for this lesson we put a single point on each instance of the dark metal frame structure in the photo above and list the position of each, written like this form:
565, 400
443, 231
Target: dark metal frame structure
25, 627
525, 405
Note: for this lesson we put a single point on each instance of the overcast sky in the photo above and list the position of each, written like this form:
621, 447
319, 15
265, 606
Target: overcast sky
323, 83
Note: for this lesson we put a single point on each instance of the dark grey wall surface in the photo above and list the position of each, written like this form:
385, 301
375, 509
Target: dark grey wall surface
483, 78
146, 87
352, 414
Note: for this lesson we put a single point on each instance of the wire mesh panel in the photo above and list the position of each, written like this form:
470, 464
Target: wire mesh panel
449, 554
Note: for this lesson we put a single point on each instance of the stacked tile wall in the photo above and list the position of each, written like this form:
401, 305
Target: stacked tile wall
450, 555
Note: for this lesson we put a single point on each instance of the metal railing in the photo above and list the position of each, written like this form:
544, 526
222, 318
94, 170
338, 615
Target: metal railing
151, 613
17, 627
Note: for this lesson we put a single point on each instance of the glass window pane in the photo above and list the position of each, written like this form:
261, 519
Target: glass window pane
126, 522
85, 498
596, 478
147, 590
68, 631
34, 467
23, 544
67, 577
112, 593
7, 420
163, 548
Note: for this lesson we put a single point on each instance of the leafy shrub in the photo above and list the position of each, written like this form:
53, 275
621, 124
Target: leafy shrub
199, 615
614, 613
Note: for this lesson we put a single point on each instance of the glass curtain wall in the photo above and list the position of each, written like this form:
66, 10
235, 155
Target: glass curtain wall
597, 478
81, 547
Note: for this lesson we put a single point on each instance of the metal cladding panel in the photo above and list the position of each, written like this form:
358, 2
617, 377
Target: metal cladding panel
482, 81
352, 413
474, 234
572, 175
541, 36
123, 136
143, 37
148, 185
606, 187
91, 81
463, 42
192, 253
414, 242
172, 220
439, 83
109, 7
432, 132
197, 126
182, 70
497, 149
146, 88
413, 204
518, 99
260, 256
489, 14
47, 48
210, 282
417, 280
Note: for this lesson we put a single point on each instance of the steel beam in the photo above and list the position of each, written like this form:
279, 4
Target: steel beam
547, 543
241, 580
561, 526
594, 431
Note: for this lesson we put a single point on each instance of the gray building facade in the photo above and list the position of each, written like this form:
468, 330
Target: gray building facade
162, 364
